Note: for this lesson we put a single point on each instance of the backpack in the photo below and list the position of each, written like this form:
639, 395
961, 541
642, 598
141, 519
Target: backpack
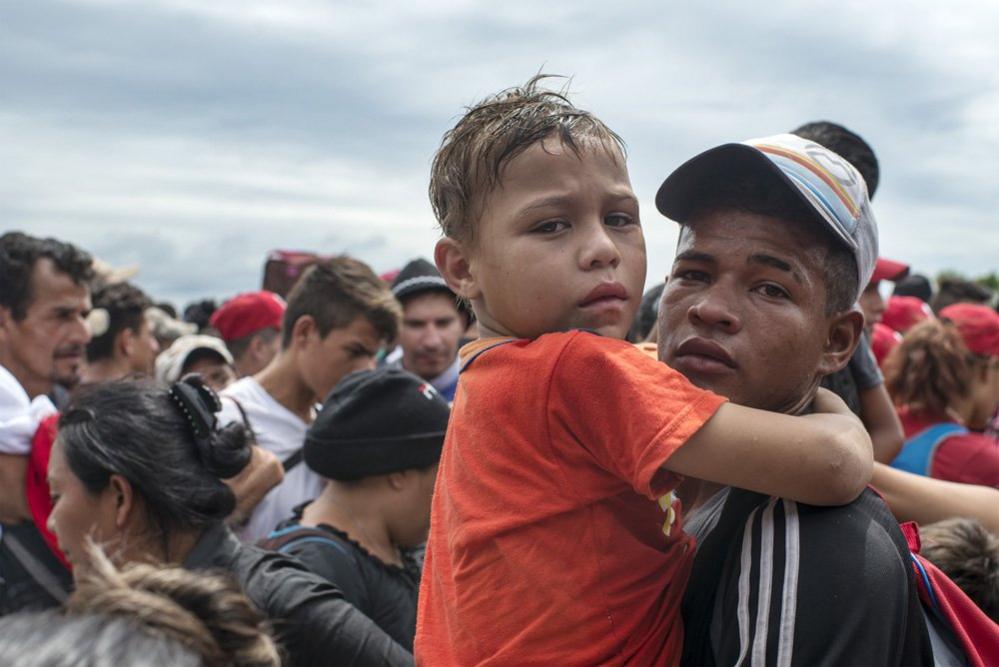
282, 539
918, 451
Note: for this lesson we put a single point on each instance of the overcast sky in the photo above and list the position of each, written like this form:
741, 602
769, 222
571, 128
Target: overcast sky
192, 136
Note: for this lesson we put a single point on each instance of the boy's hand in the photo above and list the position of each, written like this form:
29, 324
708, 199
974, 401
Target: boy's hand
828, 402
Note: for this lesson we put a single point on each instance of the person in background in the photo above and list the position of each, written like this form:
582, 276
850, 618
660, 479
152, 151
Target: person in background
944, 378
916, 285
958, 290
860, 384
44, 302
250, 325
205, 355
138, 467
648, 313
199, 313
871, 302
127, 344
166, 327
433, 322
376, 442
904, 312
339, 316
969, 555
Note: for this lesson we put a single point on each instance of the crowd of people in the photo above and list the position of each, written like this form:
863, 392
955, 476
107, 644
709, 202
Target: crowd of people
511, 455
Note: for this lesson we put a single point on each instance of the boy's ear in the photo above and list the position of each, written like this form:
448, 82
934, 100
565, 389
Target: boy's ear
844, 336
125, 342
452, 260
302, 329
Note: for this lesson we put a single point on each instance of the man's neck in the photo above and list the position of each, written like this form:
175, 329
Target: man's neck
356, 512
282, 380
104, 370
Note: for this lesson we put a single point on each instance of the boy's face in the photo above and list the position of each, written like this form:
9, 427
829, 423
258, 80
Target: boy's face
559, 245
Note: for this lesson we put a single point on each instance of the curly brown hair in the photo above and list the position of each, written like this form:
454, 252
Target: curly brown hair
469, 164
929, 368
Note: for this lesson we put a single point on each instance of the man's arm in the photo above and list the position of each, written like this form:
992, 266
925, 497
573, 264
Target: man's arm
882, 423
262, 473
13, 501
822, 459
926, 500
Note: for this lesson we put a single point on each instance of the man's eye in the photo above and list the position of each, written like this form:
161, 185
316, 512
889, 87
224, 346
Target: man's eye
691, 274
619, 220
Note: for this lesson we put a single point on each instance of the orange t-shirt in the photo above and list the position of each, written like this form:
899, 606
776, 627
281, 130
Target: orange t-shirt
554, 536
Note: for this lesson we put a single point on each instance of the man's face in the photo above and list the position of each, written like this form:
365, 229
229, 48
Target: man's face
873, 305
325, 361
431, 330
48, 345
559, 245
743, 311
142, 349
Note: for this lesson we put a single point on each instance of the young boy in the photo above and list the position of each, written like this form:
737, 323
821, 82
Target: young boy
547, 542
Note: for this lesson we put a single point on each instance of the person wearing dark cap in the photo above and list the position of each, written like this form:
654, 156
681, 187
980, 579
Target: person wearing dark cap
250, 325
433, 322
377, 442
916, 285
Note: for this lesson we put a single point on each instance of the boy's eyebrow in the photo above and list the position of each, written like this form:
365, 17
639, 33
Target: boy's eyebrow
553, 201
775, 262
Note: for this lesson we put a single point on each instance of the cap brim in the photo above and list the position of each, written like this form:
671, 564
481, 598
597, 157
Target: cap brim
889, 269
690, 183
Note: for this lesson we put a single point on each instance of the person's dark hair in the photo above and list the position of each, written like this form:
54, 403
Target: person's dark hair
136, 429
915, 285
167, 308
18, 255
126, 305
200, 313
335, 292
648, 313
958, 290
208, 613
848, 145
239, 346
470, 161
969, 555
745, 194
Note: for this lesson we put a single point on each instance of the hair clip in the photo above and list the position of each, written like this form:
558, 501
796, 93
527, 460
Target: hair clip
198, 403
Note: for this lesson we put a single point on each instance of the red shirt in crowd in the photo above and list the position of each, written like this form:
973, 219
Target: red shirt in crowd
554, 534
972, 458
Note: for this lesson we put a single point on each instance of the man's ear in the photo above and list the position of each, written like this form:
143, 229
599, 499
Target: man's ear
122, 498
453, 262
303, 328
397, 480
125, 342
843, 338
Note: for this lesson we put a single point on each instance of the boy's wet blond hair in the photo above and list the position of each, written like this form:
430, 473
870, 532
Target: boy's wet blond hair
470, 161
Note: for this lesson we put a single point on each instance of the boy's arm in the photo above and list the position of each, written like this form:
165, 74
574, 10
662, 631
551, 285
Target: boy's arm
819, 459
926, 500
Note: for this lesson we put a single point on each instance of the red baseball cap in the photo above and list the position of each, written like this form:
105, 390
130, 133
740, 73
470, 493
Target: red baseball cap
883, 341
978, 326
247, 314
889, 269
904, 312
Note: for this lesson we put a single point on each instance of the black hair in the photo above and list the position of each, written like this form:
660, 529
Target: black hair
914, 285
200, 312
134, 428
126, 305
848, 145
745, 194
18, 255
648, 313
335, 292
958, 290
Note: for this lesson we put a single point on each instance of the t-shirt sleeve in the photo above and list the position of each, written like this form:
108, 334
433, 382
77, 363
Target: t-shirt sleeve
864, 367
971, 458
628, 412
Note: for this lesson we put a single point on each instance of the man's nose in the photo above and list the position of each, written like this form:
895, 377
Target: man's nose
80, 332
432, 337
715, 308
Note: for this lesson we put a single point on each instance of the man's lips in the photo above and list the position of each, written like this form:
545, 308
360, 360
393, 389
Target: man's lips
605, 293
704, 356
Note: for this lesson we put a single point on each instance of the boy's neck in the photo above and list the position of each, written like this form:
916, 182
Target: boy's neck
356, 511
283, 381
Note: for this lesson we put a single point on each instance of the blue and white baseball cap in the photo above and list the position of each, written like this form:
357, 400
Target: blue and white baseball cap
826, 183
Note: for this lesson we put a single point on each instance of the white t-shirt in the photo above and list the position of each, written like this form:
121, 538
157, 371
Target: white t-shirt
281, 432
19, 415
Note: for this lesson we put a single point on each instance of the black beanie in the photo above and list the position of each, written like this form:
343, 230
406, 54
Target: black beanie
377, 422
